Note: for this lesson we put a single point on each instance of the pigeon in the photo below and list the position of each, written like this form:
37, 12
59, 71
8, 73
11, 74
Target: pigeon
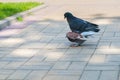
78, 25
75, 37
81, 29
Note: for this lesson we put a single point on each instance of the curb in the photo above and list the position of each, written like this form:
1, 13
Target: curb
8, 21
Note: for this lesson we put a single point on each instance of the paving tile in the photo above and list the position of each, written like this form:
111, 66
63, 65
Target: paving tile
75, 58
97, 59
6, 72
35, 67
53, 56
109, 75
117, 34
15, 59
36, 59
11, 42
90, 75
65, 72
77, 65
39, 63
104, 67
19, 74
89, 45
3, 64
61, 65
31, 38
104, 45
114, 58
73, 51
110, 39
4, 52
46, 38
13, 65
52, 45
115, 45
36, 75
107, 51
36, 45
109, 34
27, 53
87, 51
3, 77
61, 77
106, 63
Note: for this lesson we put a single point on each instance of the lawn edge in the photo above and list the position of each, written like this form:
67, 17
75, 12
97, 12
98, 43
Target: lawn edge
8, 21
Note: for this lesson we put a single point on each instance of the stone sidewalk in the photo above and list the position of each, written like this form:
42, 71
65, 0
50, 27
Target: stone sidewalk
36, 49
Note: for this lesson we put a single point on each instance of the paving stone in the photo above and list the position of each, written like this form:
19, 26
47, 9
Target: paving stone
110, 34
24, 53
97, 59
52, 45
61, 77
13, 65
3, 63
35, 67
61, 65
106, 63
53, 56
65, 72
114, 58
89, 45
4, 52
117, 34
36, 75
63, 45
37, 59
46, 38
107, 51
36, 45
41, 25
32, 39
60, 39
73, 51
115, 45
9, 32
77, 65
104, 45
109, 75
98, 67
6, 72
75, 58
3, 77
11, 42
87, 51
90, 75
14, 59
110, 39
39, 63
19, 74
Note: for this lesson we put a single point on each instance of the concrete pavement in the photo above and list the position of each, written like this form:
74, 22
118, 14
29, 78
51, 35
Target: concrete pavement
36, 49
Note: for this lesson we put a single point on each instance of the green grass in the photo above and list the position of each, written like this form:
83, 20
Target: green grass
9, 9
19, 18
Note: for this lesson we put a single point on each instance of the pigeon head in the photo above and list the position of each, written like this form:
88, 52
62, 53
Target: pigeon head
68, 15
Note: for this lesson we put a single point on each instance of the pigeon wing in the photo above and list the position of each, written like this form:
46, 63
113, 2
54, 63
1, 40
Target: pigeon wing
77, 25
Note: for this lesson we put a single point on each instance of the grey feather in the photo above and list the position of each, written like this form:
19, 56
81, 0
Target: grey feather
78, 25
